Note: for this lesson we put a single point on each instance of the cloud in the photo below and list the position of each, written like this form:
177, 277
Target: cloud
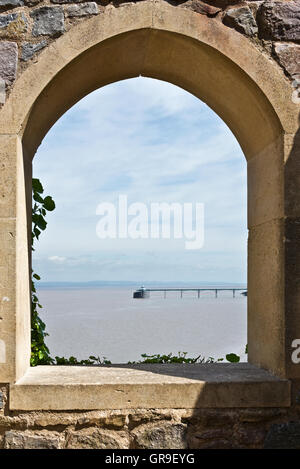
57, 259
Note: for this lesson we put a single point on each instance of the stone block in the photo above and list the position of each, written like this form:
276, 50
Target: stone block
194, 443
139, 417
26, 440
260, 415
11, 3
93, 438
48, 21
163, 435
8, 148
288, 56
283, 436
83, 9
202, 8
215, 438
279, 21
109, 420
5, 20
251, 436
8, 61
29, 49
242, 20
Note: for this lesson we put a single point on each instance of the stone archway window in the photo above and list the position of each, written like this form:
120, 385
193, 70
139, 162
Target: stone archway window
251, 93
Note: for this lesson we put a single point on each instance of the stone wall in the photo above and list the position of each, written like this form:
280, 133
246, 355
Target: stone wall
28, 26
150, 429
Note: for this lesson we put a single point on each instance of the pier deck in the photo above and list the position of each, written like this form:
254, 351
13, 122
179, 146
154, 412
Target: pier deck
181, 290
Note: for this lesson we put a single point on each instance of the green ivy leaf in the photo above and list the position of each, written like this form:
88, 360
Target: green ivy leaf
36, 232
38, 198
232, 358
37, 186
49, 203
40, 222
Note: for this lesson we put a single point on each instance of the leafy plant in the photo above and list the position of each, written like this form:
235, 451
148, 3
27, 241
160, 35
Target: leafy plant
40, 354
181, 357
39, 210
74, 361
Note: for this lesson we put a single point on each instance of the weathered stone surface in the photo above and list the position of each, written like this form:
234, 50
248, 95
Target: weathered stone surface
216, 438
13, 24
19, 431
84, 9
202, 8
32, 3
259, 415
8, 61
160, 436
202, 418
250, 436
67, 1
279, 21
159, 391
48, 21
5, 20
283, 436
29, 49
26, 440
139, 417
241, 19
289, 58
222, 3
211, 444
112, 420
11, 3
8, 422
2, 91
1, 400
93, 438
48, 419
215, 433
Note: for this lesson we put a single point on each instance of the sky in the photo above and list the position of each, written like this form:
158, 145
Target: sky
152, 142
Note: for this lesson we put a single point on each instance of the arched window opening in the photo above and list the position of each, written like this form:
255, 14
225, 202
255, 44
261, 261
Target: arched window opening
112, 158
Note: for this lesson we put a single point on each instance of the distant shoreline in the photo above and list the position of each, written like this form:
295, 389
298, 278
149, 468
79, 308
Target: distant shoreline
131, 284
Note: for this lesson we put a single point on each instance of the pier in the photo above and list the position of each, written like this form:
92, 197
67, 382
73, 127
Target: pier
145, 292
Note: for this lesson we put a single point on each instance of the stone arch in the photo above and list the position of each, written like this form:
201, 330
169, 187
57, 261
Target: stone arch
224, 69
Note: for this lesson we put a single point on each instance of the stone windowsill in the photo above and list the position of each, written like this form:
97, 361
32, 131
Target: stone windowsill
148, 386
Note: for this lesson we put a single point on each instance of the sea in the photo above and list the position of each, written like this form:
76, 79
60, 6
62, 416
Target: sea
104, 320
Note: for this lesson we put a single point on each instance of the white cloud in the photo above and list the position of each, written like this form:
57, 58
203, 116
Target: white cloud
57, 259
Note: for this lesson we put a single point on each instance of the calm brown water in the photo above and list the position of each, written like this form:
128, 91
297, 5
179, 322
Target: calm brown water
109, 322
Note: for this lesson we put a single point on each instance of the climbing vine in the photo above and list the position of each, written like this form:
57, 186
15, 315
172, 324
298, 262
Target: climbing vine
40, 354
